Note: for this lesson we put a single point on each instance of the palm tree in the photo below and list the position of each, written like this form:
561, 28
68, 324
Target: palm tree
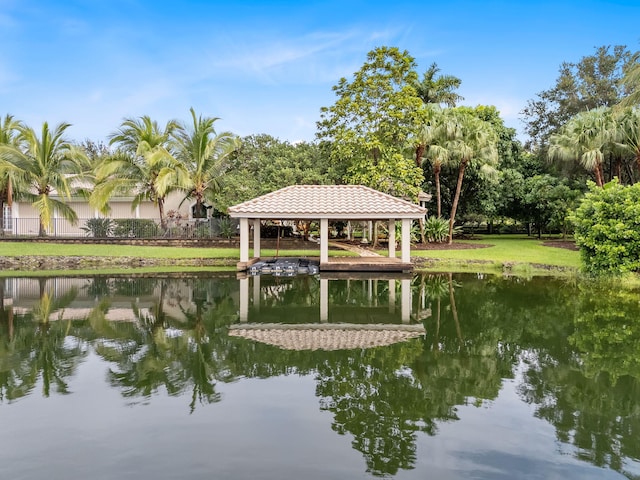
631, 81
585, 138
437, 136
202, 155
135, 167
628, 132
46, 165
474, 141
8, 138
440, 89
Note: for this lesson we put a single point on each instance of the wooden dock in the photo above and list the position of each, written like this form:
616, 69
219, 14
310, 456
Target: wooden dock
365, 264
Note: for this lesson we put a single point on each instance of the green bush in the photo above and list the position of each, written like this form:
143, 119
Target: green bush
135, 228
607, 229
436, 230
98, 227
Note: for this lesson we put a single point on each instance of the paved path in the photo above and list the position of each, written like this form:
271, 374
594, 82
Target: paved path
363, 252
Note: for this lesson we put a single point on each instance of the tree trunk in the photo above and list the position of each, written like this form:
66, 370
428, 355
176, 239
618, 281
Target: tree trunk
598, 173
436, 174
163, 223
454, 310
456, 198
419, 152
42, 232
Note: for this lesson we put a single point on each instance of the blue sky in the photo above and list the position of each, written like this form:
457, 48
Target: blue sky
268, 67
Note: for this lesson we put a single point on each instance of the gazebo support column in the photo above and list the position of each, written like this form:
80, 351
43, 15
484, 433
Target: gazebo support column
324, 240
244, 240
406, 240
256, 238
392, 238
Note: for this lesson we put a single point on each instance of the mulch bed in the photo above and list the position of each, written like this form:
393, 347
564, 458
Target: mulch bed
567, 244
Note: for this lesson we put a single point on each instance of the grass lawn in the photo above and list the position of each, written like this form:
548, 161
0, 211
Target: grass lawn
512, 249
23, 249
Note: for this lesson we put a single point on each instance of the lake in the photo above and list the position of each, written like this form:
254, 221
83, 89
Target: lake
201, 376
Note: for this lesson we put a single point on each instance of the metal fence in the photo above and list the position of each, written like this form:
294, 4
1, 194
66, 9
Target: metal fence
124, 228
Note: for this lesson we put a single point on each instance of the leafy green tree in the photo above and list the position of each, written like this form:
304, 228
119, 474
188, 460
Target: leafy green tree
135, 167
606, 229
46, 165
203, 161
370, 124
628, 133
595, 81
263, 164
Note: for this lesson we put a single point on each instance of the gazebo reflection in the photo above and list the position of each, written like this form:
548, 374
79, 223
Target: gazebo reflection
336, 298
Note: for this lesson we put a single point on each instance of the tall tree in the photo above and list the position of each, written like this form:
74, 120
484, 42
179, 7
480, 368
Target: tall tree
8, 138
438, 89
437, 137
203, 159
371, 121
595, 81
134, 169
47, 165
631, 81
585, 139
474, 143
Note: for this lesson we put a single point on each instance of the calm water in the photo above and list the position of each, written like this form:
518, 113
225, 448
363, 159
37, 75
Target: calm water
198, 378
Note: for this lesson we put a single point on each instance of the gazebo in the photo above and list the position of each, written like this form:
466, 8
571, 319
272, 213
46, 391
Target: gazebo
324, 203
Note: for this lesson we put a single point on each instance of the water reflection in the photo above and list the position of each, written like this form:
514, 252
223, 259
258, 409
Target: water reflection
572, 350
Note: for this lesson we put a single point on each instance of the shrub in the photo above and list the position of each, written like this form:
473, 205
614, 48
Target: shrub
436, 230
98, 227
607, 229
135, 228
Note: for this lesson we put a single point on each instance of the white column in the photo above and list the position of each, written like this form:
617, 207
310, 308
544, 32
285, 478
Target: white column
324, 240
392, 238
256, 238
244, 239
244, 299
324, 300
405, 289
406, 240
392, 296
256, 292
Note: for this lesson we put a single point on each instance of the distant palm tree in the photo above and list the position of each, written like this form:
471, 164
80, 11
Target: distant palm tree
9, 139
585, 138
46, 166
474, 141
438, 137
142, 157
202, 156
438, 89
631, 81
628, 132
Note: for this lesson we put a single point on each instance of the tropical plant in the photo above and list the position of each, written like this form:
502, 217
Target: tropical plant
135, 168
202, 161
438, 89
47, 165
436, 229
8, 139
98, 227
585, 139
474, 142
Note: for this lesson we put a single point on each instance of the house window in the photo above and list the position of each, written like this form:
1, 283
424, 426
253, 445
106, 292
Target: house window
7, 218
199, 211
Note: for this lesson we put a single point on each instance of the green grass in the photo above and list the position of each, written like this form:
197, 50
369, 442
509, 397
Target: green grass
23, 249
507, 250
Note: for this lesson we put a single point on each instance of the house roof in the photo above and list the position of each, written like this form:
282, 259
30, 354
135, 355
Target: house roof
349, 202
326, 336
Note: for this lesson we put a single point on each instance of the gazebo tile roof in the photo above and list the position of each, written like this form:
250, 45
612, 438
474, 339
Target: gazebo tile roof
316, 201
